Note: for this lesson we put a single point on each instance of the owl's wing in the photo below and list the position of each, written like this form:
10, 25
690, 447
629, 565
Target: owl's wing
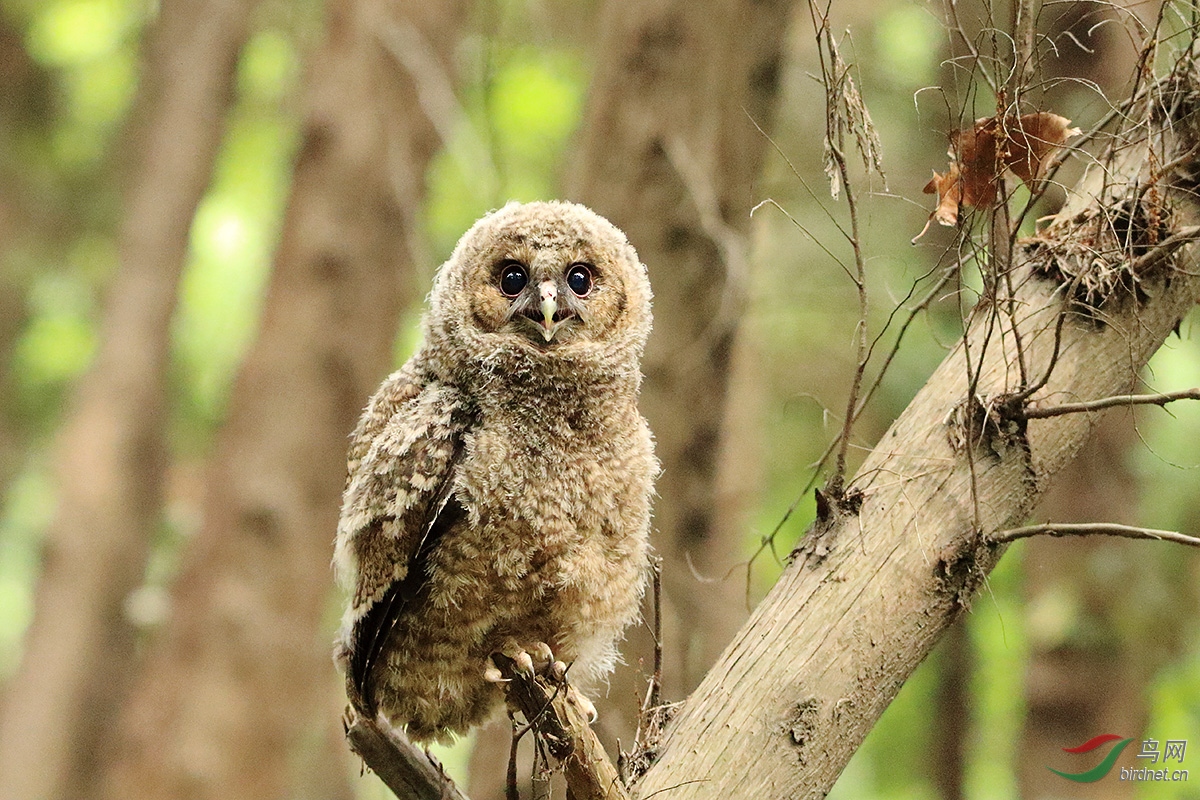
399, 499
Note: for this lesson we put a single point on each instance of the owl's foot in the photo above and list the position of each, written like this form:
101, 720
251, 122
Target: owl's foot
555, 671
547, 665
521, 660
538, 660
519, 669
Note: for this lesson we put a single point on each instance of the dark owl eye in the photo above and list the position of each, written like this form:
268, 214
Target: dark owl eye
579, 279
513, 279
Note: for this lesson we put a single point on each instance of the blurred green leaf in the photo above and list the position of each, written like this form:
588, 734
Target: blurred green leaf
269, 67
27, 510
537, 97
77, 31
908, 42
59, 340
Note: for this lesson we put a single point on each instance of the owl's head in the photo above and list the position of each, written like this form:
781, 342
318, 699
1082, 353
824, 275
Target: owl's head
542, 278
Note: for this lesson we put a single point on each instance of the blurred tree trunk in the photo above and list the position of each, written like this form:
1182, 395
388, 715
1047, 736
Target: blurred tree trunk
111, 450
12, 319
24, 112
951, 714
668, 151
242, 669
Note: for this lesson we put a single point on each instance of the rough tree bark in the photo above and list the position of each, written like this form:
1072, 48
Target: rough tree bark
889, 566
111, 448
242, 667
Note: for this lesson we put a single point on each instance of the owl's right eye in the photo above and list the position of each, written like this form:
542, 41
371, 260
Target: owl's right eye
513, 279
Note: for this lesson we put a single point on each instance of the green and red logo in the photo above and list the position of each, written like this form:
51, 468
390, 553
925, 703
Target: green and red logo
1104, 767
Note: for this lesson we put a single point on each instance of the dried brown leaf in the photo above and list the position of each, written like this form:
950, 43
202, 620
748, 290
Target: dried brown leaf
1032, 140
979, 155
948, 187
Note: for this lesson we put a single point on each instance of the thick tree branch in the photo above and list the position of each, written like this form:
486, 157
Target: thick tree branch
1091, 529
888, 570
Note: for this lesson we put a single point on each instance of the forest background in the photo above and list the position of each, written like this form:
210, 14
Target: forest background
166, 429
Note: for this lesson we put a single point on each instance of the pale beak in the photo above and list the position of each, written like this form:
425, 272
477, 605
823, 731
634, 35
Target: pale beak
549, 306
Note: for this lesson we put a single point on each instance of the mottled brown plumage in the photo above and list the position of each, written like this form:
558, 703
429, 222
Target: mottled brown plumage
499, 483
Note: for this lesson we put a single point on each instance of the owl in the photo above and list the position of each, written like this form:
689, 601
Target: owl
499, 488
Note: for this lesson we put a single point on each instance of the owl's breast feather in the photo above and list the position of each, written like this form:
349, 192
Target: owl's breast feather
554, 544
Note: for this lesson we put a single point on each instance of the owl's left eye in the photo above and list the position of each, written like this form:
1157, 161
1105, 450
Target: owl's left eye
579, 279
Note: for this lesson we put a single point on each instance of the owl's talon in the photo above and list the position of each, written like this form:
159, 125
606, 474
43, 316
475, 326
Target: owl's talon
492, 673
586, 706
522, 661
543, 656
547, 665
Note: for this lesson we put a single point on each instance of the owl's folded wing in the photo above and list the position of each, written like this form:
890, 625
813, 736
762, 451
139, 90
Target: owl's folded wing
399, 499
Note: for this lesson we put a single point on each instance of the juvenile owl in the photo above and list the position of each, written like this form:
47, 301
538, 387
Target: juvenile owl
498, 497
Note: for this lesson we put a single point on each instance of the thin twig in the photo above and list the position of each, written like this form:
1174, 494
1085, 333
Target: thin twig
1164, 249
1160, 399
1059, 324
510, 777
1024, 51
1092, 529
834, 101
1003, 230
654, 697
652, 716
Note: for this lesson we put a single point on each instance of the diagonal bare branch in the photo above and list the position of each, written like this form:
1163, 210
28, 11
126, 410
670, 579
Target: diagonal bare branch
409, 772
